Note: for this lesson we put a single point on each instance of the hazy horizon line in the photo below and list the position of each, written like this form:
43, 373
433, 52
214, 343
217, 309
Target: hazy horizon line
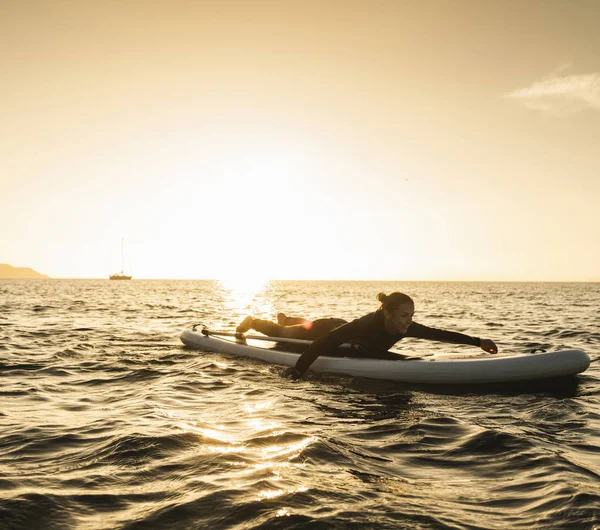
316, 280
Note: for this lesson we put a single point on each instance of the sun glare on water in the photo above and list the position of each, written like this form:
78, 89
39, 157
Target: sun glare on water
246, 295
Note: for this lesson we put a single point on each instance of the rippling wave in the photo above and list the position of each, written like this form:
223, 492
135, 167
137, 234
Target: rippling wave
107, 422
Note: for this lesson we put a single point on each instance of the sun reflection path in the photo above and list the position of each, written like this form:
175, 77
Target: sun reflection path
246, 295
291, 450
258, 438
251, 408
268, 459
272, 494
212, 434
223, 441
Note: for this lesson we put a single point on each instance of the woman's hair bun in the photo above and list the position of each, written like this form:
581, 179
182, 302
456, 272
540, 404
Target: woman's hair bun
393, 300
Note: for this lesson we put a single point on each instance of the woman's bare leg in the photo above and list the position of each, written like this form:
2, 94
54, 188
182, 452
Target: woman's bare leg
307, 330
272, 329
266, 327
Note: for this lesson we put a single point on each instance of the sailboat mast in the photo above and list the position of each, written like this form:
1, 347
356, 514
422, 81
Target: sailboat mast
121, 275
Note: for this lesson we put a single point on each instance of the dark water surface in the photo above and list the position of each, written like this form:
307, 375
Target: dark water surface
107, 422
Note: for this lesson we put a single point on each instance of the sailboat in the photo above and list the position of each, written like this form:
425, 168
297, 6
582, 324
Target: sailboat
120, 275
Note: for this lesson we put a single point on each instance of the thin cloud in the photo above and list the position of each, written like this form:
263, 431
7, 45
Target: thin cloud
561, 68
561, 95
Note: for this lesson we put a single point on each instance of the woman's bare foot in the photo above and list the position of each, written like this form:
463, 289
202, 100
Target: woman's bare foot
245, 325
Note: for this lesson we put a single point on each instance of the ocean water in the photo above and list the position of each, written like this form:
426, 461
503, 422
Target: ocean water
108, 422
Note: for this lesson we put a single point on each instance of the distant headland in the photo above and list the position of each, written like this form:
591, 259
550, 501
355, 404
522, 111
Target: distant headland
8, 271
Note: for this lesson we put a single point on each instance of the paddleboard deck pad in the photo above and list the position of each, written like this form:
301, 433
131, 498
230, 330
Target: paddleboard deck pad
428, 370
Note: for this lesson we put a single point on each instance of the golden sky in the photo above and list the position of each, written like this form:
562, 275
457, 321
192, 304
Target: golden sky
301, 139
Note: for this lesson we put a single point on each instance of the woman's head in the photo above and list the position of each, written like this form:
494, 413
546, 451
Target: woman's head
398, 309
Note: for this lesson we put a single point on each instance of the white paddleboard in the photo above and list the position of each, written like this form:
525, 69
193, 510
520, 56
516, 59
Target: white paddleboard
429, 370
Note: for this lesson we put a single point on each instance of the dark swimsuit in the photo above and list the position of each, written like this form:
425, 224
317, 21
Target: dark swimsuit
373, 340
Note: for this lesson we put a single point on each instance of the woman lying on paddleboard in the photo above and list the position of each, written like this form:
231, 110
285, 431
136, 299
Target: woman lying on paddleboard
375, 333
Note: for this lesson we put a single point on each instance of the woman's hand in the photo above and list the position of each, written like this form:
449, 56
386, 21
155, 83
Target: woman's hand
292, 373
488, 346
